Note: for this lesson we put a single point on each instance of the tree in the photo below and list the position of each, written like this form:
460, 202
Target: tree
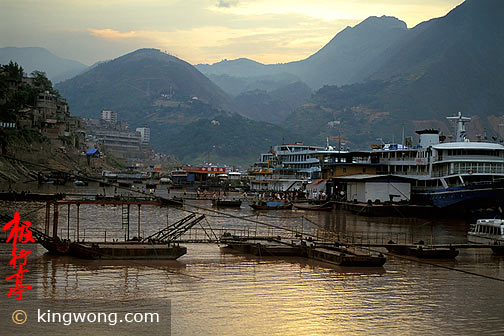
41, 81
13, 71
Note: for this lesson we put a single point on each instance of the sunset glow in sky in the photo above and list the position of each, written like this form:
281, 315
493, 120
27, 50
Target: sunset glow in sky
198, 31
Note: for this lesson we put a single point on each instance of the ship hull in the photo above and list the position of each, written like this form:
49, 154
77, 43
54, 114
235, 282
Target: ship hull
463, 197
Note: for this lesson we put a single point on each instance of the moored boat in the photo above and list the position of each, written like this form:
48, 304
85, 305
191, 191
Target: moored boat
127, 250
346, 256
457, 176
423, 251
488, 231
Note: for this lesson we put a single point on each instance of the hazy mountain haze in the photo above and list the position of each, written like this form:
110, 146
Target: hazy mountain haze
56, 68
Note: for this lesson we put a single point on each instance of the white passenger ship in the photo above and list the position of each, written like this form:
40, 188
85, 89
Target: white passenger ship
288, 167
488, 231
460, 173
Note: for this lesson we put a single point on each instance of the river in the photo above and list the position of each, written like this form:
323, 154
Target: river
216, 292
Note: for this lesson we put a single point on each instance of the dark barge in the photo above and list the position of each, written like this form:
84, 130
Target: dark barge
330, 253
423, 251
127, 250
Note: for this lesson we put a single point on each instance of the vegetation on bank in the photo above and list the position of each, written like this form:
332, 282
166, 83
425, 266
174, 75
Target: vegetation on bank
16, 93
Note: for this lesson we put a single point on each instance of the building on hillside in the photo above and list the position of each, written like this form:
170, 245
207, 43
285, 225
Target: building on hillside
119, 143
50, 115
144, 135
51, 105
109, 116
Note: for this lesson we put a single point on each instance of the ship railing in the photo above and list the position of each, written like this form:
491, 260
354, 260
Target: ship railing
367, 238
93, 235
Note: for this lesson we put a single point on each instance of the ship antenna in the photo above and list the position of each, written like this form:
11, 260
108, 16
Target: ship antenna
460, 130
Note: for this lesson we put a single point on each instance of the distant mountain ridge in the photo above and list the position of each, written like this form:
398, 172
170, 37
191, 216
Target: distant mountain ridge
140, 80
442, 66
273, 106
351, 56
56, 68
189, 115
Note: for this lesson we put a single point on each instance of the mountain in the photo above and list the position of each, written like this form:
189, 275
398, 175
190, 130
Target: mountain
226, 138
351, 56
440, 67
139, 81
242, 75
273, 106
187, 113
57, 69
237, 85
241, 67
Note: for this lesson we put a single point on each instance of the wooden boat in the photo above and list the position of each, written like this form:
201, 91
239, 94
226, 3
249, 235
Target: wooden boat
53, 245
320, 207
264, 247
423, 251
271, 205
127, 251
346, 256
226, 203
56, 246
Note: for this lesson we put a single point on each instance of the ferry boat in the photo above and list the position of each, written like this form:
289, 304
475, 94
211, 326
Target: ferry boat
288, 167
488, 231
458, 175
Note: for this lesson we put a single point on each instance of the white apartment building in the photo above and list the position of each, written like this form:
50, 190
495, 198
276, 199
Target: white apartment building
144, 135
109, 116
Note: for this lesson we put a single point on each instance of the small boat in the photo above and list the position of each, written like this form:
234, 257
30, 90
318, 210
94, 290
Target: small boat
346, 256
420, 250
80, 183
263, 247
127, 251
56, 246
271, 205
488, 231
315, 207
226, 203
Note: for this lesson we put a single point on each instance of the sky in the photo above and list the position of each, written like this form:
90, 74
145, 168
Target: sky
198, 31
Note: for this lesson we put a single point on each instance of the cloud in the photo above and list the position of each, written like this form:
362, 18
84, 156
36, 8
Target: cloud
227, 3
269, 31
111, 34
